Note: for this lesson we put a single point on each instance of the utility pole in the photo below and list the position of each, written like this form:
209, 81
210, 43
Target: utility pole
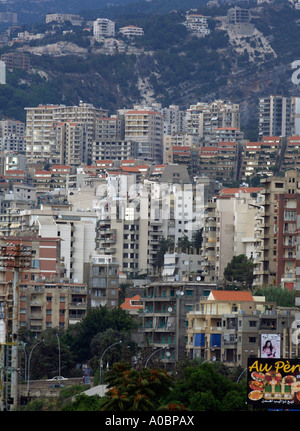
15, 257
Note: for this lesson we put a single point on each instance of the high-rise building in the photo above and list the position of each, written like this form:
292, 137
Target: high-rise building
277, 116
41, 145
276, 230
103, 27
203, 118
146, 127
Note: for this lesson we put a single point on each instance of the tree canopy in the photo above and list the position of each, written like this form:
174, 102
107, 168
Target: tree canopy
240, 269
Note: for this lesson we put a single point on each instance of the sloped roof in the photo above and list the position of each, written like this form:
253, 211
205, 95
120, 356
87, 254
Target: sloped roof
231, 295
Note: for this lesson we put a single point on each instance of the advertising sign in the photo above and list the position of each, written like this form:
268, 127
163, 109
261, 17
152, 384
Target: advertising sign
270, 346
273, 383
86, 376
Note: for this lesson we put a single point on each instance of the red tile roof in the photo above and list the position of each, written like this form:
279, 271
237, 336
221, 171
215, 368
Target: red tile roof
127, 304
232, 295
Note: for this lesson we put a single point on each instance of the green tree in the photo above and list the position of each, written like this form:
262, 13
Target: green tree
283, 297
165, 244
240, 269
133, 390
197, 239
50, 351
97, 320
202, 388
120, 352
183, 244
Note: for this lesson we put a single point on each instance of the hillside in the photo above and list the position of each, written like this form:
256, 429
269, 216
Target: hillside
167, 64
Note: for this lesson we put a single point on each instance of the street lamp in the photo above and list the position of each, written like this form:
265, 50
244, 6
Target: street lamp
118, 342
28, 366
59, 376
153, 353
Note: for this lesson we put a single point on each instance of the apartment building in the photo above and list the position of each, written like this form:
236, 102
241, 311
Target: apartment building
290, 160
220, 161
51, 305
75, 229
131, 31
288, 211
197, 24
275, 116
164, 316
229, 326
41, 145
17, 60
203, 118
114, 150
275, 231
12, 135
174, 120
146, 127
70, 138
61, 18
228, 230
101, 275
110, 128
103, 27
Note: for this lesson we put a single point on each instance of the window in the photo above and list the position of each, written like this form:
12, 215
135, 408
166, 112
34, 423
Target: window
252, 339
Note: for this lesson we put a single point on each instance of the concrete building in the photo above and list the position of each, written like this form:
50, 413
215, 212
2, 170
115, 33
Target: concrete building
197, 24
203, 118
61, 18
70, 138
181, 267
41, 147
16, 60
164, 318
114, 150
146, 128
228, 230
229, 326
131, 31
103, 27
276, 116
51, 305
101, 275
275, 231
12, 135
2, 72
75, 229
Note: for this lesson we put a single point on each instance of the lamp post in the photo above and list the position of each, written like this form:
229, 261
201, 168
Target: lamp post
59, 376
28, 366
15, 257
118, 342
153, 353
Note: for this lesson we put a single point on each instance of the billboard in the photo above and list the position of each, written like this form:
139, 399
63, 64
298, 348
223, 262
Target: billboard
270, 346
273, 383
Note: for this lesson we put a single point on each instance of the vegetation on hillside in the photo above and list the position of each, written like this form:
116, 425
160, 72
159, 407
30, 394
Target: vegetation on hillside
178, 67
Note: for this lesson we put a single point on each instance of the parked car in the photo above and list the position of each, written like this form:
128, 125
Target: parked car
57, 378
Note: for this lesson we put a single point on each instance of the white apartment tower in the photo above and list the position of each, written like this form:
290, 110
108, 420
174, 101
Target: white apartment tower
103, 27
41, 147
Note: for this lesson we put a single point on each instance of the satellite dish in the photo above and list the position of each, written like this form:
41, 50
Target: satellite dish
181, 293
43, 277
75, 280
170, 309
198, 278
186, 262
